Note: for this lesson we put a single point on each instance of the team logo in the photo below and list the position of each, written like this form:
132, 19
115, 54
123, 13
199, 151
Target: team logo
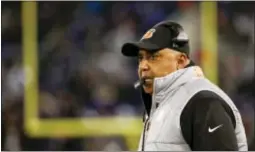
182, 37
148, 34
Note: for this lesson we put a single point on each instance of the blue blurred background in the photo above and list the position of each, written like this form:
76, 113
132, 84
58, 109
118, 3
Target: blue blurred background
83, 74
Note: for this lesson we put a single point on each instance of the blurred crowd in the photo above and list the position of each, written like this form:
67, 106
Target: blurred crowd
83, 74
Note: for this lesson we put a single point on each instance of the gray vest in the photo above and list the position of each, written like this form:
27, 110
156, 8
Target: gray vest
173, 92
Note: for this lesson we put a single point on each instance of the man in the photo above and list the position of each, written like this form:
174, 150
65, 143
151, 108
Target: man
184, 110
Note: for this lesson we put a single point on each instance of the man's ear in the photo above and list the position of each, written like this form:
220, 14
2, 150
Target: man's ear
182, 61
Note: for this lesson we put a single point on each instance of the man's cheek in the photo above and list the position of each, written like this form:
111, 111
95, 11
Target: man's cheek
139, 73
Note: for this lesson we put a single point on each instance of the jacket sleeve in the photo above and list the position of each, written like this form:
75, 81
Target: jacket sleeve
208, 123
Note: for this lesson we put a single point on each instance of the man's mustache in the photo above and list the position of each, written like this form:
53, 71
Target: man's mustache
147, 77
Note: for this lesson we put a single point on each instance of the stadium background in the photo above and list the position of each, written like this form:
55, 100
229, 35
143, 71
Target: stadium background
73, 50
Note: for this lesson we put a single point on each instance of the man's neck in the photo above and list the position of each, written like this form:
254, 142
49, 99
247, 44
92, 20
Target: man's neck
189, 63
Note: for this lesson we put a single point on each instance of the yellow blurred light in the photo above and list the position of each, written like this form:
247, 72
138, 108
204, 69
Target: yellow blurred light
209, 37
129, 127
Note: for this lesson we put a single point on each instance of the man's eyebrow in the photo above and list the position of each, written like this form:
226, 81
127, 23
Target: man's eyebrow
140, 54
155, 53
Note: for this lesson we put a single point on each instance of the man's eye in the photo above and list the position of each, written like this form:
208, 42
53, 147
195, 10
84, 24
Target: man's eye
140, 58
153, 56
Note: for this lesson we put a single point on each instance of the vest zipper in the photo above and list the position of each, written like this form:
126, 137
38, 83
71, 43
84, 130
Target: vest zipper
144, 131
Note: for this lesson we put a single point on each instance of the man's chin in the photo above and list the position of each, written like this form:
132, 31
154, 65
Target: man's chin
147, 89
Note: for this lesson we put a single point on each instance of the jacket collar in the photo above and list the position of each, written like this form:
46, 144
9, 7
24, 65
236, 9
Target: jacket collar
170, 82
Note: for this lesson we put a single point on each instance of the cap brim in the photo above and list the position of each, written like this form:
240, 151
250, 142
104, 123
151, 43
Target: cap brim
132, 49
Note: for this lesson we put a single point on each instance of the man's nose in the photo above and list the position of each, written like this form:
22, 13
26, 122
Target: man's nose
143, 65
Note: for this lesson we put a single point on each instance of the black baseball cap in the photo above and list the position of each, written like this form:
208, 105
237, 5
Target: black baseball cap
166, 34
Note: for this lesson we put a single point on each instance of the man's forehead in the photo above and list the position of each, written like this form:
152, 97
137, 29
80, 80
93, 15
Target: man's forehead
144, 52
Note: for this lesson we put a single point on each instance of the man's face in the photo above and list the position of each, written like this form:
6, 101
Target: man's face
158, 64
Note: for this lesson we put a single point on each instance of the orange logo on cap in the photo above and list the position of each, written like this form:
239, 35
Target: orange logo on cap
148, 34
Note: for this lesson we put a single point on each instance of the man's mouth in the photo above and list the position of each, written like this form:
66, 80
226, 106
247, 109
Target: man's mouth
147, 81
